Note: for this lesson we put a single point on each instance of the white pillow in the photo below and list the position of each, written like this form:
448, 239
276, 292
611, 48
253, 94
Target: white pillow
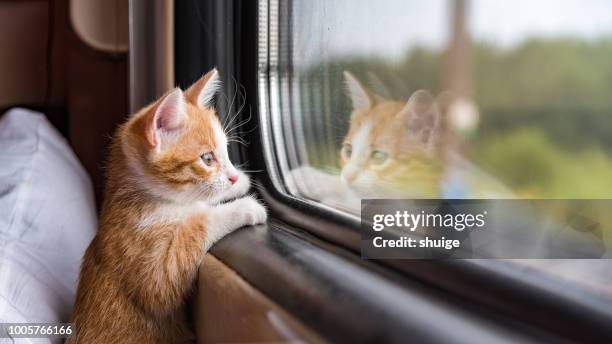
47, 219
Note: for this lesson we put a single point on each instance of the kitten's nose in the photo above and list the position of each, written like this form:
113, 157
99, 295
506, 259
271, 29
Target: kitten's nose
233, 178
348, 177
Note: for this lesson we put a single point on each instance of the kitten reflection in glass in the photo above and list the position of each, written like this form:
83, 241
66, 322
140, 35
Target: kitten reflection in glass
394, 149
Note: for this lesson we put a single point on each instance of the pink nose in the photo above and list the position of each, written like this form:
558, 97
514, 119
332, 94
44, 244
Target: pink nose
349, 177
232, 179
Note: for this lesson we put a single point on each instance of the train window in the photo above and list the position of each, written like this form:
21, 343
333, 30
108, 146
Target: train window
438, 99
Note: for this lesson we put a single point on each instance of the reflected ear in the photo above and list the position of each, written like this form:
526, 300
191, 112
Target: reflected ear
201, 93
167, 119
421, 117
360, 97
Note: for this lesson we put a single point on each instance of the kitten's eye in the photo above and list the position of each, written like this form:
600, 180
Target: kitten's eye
347, 150
379, 157
208, 158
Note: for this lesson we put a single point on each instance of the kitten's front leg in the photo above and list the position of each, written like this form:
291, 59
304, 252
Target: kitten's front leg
224, 218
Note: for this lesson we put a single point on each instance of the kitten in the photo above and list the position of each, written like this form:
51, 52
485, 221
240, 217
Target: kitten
390, 151
168, 177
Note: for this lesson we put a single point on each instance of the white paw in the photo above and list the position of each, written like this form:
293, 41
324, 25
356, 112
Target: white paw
254, 212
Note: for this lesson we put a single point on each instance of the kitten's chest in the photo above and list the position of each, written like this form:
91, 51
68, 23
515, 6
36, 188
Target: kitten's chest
169, 214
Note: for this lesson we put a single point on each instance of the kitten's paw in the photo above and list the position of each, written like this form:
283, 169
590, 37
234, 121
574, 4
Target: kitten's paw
254, 212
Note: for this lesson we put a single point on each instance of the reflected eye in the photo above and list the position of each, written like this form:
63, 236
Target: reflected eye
208, 158
379, 157
347, 150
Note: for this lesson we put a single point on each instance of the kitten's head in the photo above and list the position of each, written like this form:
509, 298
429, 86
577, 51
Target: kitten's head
390, 144
176, 147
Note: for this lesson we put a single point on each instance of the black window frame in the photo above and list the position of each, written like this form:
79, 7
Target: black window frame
232, 43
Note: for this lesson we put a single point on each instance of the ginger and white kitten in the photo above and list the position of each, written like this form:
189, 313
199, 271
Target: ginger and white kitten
389, 151
168, 176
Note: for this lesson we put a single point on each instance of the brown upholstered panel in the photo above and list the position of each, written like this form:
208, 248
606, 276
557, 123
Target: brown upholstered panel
23, 37
229, 310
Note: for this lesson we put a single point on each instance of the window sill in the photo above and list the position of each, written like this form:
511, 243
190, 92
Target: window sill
342, 297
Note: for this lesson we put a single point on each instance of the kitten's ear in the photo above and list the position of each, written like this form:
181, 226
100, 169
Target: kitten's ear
167, 119
201, 93
360, 97
421, 117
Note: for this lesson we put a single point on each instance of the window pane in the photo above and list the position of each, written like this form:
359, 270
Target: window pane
446, 99
511, 89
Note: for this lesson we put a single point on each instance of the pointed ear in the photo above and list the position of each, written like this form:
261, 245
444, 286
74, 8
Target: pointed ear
167, 119
201, 93
421, 117
360, 97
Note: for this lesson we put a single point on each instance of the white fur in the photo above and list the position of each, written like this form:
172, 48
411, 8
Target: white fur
360, 155
220, 219
221, 149
168, 213
358, 94
209, 90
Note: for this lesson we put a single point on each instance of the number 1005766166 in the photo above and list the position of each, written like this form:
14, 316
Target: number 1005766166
36, 330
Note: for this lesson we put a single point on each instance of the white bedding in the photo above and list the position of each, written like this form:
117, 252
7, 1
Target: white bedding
47, 219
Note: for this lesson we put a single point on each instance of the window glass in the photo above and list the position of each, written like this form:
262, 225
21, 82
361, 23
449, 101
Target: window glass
446, 99
514, 103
